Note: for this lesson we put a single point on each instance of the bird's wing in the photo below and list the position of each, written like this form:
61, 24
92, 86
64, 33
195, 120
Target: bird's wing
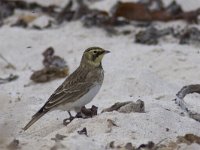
71, 90
61, 95
67, 94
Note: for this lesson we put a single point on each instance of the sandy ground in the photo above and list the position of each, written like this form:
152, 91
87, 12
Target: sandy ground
153, 74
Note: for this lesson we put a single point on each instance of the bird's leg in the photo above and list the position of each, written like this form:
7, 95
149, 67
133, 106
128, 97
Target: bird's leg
70, 115
79, 113
68, 120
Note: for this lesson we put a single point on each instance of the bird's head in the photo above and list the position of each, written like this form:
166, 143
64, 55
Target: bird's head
93, 56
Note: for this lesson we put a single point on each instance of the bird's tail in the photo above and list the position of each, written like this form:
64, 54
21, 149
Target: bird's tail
35, 118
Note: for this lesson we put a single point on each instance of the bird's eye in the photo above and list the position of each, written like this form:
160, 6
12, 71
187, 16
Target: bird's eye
94, 52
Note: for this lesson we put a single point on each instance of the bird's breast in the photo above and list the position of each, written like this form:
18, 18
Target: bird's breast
87, 98
82, 101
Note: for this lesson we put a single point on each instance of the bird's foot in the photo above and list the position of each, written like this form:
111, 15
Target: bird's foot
84, 113
68, 120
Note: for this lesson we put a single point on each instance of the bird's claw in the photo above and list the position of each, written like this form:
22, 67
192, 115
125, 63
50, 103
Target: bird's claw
68, 120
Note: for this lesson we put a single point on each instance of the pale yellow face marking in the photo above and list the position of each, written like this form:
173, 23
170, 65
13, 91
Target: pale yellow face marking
94, 56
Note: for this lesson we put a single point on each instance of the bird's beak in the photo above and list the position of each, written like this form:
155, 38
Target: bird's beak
106, 52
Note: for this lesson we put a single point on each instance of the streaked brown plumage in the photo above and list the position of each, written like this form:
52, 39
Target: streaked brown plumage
79, 88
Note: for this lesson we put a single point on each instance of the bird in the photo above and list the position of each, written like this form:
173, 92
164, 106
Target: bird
79, 88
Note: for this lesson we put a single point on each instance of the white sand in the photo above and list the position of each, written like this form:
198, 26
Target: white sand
153, 74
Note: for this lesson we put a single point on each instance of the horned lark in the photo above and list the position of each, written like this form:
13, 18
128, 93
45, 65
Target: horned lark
79, 88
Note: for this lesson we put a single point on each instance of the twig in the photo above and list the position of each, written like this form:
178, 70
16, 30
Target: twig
9, 65
180, 100
9, 79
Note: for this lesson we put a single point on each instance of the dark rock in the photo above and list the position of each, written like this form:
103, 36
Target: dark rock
83, 131
151, 35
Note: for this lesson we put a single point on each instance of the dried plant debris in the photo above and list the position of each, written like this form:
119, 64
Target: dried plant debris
48, 74
174, 8
189, 139
9, 79
50, 60
83, 131
127, 146
157, 5
88, 113
189, 36
14, 145
7, 8
32, 6
74, 10
96, 18
145, 12
20, 23
101, 19
8, 64
151, 35
111, 123
54, 67
172, 145
58, 137
24, 20
66, 13
111, 145
89, 17
58, 146
122, 13
149, 146
33, 21
180, 99
153, 4
127, 107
